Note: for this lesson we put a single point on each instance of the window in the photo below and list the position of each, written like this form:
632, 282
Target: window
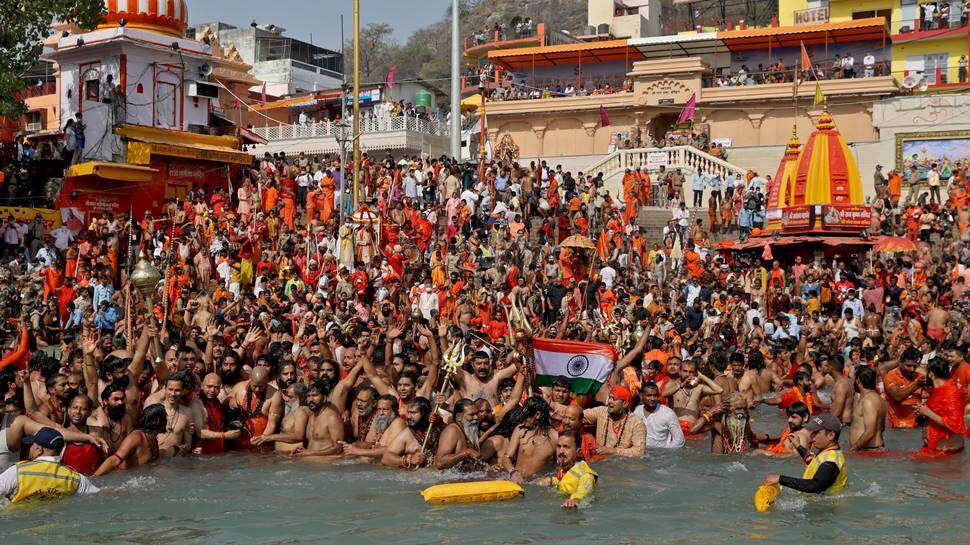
92, 90
886, 13
932, 63
35, 120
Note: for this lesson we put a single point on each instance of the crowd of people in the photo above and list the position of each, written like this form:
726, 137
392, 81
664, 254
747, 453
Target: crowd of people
403, 335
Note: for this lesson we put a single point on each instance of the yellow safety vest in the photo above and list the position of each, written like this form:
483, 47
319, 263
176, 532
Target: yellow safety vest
43, 479
829, 455
578, 482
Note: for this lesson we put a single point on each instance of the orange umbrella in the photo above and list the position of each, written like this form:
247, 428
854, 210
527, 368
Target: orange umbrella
895, 245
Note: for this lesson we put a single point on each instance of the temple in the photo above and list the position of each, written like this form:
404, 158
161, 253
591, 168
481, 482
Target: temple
154, 109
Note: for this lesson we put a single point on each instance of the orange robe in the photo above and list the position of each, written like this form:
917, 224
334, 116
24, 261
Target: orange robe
328, 187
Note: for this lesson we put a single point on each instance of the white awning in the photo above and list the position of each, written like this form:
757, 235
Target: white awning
681, 45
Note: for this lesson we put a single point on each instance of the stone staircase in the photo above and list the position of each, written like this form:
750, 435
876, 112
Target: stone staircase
686, 158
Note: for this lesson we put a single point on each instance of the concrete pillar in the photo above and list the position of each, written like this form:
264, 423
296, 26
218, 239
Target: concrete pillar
540, 132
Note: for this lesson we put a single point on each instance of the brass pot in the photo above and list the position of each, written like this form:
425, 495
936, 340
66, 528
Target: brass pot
145, 276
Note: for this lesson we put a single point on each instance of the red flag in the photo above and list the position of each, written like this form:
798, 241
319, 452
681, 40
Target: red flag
604, 119
687, 114
389, 79
806, 61
264, 92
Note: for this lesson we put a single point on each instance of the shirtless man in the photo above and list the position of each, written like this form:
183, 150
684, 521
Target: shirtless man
384, 427
458, 444
180, 426
794, 436
730, 426
843, 395
686, 391
324, 427
112, 416
757, 380
483, 382
261, 407
868, 413
296, 415
408, 449
406, 389
533, 443
15, 428
83, 457
140, 447
937, 320
53, 410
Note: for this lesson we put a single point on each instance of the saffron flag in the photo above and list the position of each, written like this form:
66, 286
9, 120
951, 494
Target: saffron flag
586, 365
264, 93
604, 119
687, 114
806, 61
389, 79
819, 97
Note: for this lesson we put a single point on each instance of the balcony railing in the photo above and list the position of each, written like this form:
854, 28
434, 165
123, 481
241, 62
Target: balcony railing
368, 125
47, 88
501, 35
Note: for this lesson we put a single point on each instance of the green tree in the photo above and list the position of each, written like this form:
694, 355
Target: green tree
23, 25
376, 52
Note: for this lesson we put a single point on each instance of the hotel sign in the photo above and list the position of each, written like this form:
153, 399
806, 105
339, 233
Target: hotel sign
812, 16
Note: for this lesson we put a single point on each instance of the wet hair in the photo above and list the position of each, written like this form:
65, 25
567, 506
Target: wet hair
81, 396
756, 361
798, 408
392, 399
575, 435
409, 375
184, 377
109, 365
506, 383
322, 385
866, 377
424, 409
719, 363
561, 382
537, 406
837, 362
911, 354
939, 367
110, 389
800, 376
153, 419
462, 405
299, 390
374, 394
52, 381
510, 421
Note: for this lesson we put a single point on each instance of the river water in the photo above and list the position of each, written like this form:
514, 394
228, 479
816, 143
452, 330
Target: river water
689, 497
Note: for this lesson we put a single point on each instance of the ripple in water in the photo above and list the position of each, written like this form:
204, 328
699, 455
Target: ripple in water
736, 466
137, 483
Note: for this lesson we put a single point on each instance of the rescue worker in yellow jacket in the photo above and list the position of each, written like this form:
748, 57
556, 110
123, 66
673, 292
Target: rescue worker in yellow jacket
44, 476
574, 477
825, 472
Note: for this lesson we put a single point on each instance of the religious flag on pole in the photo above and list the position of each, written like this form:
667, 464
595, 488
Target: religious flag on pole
604, 119
819, 97
586, 365
263, 97
687, 114
806, 60
389, 79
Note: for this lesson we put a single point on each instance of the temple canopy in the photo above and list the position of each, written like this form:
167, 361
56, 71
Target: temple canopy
780, 188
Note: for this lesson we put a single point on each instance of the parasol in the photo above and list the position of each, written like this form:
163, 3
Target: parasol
578, 241
365, 215
894, 245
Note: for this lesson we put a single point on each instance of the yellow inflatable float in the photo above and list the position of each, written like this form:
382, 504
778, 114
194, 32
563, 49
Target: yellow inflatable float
472, 492
765, 497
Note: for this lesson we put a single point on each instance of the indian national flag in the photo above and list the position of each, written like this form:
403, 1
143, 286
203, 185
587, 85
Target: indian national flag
586, 365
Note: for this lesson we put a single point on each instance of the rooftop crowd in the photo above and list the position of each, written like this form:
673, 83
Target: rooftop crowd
403, 338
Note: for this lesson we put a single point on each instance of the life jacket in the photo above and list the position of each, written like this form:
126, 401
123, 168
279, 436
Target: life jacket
578, 482
44, 479
829, 455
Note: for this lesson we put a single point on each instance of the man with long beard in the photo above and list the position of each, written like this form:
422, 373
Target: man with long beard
296, 415
459, 440
384, 426
533, 443
408, 450
113, 416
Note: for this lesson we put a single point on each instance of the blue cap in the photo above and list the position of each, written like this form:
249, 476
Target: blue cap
48, 438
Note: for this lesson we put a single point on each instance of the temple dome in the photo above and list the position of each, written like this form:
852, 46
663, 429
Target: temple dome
826, 172
169, 17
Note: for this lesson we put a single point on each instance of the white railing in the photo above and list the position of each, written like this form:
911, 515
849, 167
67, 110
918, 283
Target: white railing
325, 129
686, 158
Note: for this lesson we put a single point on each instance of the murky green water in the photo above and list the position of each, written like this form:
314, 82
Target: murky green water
689, 496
